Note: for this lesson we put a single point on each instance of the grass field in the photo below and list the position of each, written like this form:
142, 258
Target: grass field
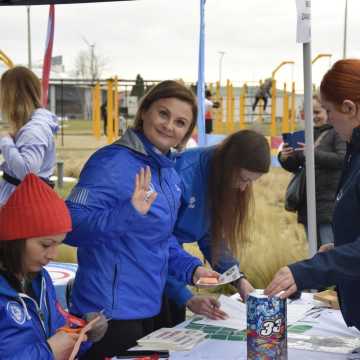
275, 239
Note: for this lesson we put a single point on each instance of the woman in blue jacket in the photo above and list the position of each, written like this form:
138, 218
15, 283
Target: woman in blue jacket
30, 145
217, 192
125, 240
337, 264
33, 223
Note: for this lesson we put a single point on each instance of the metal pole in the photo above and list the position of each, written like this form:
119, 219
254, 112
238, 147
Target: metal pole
222, 53
92, 62
29, 37
62, 112
60, 174
345, 30
309, 150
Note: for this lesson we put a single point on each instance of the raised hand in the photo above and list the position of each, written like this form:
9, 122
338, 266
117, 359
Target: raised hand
143, 197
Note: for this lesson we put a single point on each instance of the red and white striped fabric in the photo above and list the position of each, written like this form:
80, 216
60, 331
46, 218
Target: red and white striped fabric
48, 54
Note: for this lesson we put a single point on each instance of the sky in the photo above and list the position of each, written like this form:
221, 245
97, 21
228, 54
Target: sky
159, 38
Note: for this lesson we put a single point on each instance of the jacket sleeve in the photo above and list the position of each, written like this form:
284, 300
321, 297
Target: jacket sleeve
12, 347
181, 264
27, 154
292, 163
328, 268
98, 205
177, 291
225, 261
331, 159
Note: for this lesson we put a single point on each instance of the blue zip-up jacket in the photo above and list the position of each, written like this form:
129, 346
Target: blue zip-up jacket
124, 256
193, 223
340, 266
26, 323
32, 150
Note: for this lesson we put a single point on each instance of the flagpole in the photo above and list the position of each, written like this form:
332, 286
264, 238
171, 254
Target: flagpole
201, 79
48, 54
29, 37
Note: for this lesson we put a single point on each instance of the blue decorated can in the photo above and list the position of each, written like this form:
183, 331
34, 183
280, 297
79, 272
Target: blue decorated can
266, 327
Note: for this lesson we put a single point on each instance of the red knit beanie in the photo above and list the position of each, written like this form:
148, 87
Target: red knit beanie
33, 210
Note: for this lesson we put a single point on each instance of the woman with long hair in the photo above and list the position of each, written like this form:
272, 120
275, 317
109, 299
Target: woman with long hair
338, 263
29, 146
215, 208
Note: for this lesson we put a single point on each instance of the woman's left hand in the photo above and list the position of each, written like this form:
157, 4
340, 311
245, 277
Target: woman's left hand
143, 196
202, 271
283, 281
244, 288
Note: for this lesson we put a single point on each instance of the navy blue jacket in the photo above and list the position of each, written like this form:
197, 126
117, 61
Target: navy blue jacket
123, 255
340, 266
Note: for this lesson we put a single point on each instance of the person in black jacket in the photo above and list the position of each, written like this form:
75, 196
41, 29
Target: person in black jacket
340, 264
329, 158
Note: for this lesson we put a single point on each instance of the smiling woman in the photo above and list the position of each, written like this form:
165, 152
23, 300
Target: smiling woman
124, 209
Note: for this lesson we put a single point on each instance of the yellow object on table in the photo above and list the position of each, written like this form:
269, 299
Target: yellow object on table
329, 297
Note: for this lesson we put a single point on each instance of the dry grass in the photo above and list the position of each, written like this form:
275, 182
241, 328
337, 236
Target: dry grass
275, 237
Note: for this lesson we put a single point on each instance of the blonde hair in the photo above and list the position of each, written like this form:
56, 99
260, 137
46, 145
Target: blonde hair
20, 95
163, 90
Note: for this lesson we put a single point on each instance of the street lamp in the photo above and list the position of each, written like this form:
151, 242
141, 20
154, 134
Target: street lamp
92, 58
345, 29
221, 53
29, 37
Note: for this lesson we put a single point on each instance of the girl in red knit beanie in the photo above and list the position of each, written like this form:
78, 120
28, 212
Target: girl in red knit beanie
33, 223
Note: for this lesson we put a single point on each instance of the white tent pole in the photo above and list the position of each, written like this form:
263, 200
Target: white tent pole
309, 150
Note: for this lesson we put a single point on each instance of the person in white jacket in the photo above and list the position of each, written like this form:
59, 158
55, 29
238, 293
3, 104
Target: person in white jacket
29, 146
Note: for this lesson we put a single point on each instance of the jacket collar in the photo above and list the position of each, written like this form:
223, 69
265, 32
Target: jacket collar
137, 141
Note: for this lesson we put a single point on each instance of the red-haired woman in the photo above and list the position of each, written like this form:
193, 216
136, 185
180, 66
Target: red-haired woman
338, 264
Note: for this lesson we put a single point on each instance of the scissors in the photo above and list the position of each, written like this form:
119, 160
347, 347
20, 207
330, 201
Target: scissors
73, 324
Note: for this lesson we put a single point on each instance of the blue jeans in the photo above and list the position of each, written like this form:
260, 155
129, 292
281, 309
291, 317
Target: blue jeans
325, 234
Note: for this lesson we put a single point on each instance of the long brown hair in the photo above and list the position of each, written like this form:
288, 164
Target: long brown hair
164, 90
341, 82
12, 254
229, 206
20, 95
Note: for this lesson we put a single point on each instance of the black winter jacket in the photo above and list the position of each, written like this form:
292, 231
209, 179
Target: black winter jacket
329, 158
340, 266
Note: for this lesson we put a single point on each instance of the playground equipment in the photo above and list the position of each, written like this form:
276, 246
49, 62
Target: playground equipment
234, 112
273, 96
112, 109
6, 60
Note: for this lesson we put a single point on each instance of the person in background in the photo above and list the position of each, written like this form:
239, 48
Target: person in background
329, 158
33, 223
337, 264
124, 209
209, 105
215, 208
263, 93
30, 146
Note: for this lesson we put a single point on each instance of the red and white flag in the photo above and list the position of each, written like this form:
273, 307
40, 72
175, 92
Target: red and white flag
48, 54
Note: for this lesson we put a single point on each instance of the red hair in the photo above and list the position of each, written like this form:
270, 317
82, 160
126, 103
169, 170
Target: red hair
342, 82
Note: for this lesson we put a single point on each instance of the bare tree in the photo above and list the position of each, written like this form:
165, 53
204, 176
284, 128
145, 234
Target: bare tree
89, 64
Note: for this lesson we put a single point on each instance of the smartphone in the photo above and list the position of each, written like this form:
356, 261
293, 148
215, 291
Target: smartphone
292, 139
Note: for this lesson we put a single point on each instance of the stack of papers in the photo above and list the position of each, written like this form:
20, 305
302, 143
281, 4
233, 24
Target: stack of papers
172, 339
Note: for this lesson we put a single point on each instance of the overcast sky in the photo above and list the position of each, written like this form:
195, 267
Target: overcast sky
159, 38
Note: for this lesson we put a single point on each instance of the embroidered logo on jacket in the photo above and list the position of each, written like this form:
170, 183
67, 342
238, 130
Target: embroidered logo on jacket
16, 312
192, 201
